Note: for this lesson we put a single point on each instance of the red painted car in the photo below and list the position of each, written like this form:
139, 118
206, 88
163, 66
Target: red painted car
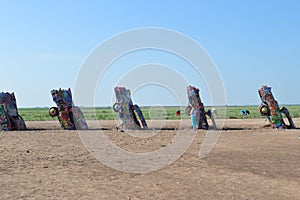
69, 116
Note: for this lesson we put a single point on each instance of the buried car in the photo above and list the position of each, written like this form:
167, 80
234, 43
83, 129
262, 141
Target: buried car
9, 117
69, 116
270, 108
200, 113
124, 104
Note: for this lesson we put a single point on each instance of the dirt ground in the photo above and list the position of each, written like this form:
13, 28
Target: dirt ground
249, 161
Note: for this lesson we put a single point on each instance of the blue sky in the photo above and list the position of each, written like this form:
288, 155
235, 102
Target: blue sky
44, 43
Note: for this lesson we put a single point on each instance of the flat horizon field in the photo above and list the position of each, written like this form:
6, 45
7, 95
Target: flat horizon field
167, 112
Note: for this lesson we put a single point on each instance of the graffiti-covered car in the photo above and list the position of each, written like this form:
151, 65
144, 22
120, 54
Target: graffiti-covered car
270, 108
9, 116
69, 116
199, 111
127, 112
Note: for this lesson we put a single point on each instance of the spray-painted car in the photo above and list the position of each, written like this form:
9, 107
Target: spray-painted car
270, 108
129, 110
196, 103
9, 116
69, 116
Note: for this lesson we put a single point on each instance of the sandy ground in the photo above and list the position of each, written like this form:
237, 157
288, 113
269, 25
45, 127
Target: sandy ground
249, 161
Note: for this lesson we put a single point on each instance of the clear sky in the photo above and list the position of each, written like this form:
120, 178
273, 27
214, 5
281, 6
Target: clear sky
44, 43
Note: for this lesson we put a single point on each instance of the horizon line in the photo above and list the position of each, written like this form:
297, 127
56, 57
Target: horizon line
109, 106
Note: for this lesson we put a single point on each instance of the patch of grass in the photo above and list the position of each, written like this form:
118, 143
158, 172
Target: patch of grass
35, 114
159, 113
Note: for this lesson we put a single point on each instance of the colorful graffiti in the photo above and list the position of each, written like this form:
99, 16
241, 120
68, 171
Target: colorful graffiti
69, 116
127, 111
199, 110
9, 116
270, 108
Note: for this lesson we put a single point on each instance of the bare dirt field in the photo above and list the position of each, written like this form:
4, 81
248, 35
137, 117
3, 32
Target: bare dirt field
249, 161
